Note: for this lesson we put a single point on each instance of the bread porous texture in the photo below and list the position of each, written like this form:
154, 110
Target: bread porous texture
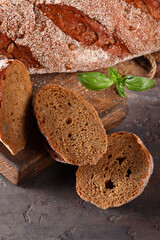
16, 93
120, 175
70, 124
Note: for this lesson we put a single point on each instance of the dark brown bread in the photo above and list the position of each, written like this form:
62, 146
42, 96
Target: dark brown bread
15, 99
71, 35
121, 174
70, 124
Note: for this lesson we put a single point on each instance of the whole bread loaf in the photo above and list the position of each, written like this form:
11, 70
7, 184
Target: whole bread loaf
120, 175
70, 124
71, 35
15, 105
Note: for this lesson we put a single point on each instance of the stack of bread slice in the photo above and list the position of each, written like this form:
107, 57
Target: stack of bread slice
113, 169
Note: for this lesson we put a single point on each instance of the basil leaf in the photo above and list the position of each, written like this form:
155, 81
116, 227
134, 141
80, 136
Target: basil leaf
113, 74
138, 83
120, 89
95, 80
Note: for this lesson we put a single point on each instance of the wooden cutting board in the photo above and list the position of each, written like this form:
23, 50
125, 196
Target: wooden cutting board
33, 159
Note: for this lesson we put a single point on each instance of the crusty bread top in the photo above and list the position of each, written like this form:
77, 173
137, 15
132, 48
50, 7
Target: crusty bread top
151, 7
28, 26
120, 175
70, 124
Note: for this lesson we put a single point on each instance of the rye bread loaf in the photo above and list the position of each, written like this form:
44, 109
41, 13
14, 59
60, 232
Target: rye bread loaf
15, 99
70, 124
120, 175
71, 35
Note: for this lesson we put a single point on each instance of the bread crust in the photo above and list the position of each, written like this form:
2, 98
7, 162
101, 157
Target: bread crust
27, 26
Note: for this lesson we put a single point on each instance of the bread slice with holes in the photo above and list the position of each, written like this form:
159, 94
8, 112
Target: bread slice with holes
70, 124
15, 99
121, 174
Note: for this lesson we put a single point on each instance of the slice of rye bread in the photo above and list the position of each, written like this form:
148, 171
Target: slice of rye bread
121, 174
15, 99
70, 124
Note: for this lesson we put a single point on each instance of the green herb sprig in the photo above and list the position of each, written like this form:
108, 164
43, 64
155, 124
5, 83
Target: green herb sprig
97, 81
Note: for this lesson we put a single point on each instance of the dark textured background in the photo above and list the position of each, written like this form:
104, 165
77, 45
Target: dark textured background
48, 208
